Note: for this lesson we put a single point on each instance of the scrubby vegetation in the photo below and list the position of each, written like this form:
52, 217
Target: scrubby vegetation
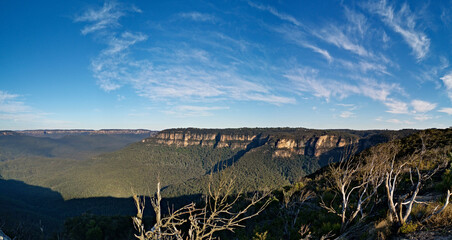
356, 198
138, 165
399, 187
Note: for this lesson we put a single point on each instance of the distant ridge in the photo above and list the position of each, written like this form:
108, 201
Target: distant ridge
8, 133
56, 133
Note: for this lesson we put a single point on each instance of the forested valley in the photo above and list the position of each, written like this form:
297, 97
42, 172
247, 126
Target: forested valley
249, 183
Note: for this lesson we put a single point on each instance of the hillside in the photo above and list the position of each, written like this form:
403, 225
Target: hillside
181, 158
292, 216
58, 133
188, 168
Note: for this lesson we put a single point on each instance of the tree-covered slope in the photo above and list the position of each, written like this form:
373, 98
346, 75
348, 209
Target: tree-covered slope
186, 171
182, 159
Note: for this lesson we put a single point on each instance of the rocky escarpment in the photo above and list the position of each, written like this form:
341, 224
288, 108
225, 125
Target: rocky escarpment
284, 142
183, 138
312, 145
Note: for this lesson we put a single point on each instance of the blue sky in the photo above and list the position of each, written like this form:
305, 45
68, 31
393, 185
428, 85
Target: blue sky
219, 64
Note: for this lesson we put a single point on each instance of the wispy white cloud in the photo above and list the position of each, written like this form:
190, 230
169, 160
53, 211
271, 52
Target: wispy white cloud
110, 65
297, 37
358, 22
398, 121
446, 110
404, 23
181, 73
103, 18
447, 81
199, 108
349, 36
446, 16
123, 42
113, 69
269, 98
292, 34
422, 106
422, 117
428, 72
385, 38
120, 97
444, 63
396, 106
318, 50
349, 112
307, 80
183, 80
272, 10
242, 44
4, 96
334, 35
345, 104
364, 66
15, 112
10, 104
346, 114
197, 16
376, 91
32, 120
193, 111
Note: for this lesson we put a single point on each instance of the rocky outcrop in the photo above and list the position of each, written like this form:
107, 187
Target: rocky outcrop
311, 145
183, 138
283, 142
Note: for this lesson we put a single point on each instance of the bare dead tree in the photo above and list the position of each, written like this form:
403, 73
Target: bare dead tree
290, 208
217, 214
437, 211
305, 232
354, 179
165, 227
401, 204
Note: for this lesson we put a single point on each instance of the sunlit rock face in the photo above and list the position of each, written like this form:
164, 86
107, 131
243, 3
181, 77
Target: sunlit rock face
284, 142
311, 145
183, 138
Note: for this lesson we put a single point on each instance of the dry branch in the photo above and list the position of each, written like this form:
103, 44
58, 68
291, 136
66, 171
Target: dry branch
217, 214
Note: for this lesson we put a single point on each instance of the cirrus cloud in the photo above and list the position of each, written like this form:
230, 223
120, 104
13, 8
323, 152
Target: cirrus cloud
422, 106
447, 81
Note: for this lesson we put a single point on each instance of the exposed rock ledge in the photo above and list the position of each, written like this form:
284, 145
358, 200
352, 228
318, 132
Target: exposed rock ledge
285, 142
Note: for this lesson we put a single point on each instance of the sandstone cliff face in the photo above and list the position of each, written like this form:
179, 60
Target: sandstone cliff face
284, 145
310, 145
183, 138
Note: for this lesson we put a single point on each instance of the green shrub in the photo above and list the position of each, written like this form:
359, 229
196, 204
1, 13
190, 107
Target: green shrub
328, 227
408, 228
94, 233
446, 182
